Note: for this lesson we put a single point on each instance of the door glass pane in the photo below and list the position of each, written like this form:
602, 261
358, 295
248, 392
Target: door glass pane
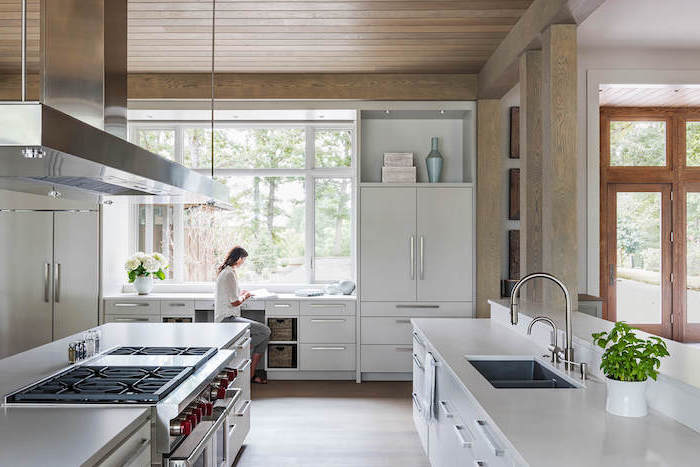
161, 142
692, 143
638, 286
637, 143
332, 259
333, 148
693, 257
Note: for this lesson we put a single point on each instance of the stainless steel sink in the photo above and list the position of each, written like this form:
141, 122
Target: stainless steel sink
522, 373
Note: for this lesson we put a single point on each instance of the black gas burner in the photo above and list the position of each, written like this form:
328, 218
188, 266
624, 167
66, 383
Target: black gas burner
162, 351
106, 385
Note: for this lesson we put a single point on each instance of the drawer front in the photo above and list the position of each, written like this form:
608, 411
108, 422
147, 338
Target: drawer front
242, 347
204, 304
328, 357
239, 426
387, 358
326, 308
252, 304
327, 329
419, 309
177, 308
394, 330
132, 307
133, 452
131, 319
281, 308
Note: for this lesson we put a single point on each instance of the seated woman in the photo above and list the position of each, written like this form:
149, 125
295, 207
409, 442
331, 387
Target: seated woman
227, 308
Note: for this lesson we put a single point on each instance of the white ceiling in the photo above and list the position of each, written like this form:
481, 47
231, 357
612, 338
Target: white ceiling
661, 95
643, 24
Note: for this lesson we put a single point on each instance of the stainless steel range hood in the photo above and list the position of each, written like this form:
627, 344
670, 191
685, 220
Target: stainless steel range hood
60, 141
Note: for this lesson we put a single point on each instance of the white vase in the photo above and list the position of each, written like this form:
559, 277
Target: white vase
144, 284
626, 398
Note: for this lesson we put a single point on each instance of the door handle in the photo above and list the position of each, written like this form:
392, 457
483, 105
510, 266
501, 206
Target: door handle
422, 258
57, 283
412, 256
47, 282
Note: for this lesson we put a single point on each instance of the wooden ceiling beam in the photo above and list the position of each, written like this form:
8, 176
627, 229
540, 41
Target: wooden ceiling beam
356, 86
500, 73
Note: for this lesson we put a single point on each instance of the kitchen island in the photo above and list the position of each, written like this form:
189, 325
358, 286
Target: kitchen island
55, 435
537, 427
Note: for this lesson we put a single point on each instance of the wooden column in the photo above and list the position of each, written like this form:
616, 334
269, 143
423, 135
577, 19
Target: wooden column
531, 247
489, 224
559, 203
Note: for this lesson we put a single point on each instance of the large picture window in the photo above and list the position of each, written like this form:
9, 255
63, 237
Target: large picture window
290, 194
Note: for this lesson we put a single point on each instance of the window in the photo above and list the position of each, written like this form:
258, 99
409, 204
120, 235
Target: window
637, 143
291, 196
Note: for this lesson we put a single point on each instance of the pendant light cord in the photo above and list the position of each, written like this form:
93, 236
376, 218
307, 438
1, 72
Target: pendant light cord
213, 50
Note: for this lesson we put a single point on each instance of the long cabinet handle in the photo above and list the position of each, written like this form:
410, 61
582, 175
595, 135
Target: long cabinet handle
57, 283
130, 320
412, 256
244, 408
47, 282
417, 403
418, 339
327, 305
282, 305
445, 408
422, 258
327, 348
460, 430
177, 304
244, 343
495, 449
403, 321
244, 365
418, 363
327, 320
129, 305
403, 349
417, 306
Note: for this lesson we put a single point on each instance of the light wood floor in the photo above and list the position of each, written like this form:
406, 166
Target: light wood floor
332, 423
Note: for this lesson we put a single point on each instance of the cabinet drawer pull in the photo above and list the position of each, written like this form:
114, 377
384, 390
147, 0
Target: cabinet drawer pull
417, 306
446, 409
418, 363
131, 320
479, 464
244, 365
244, 343
244, 408
418, 339
460, 431
282, 305
327, 305
327, 348
403, 349
327, 320
403, 321
495, 449
177, 304
124, 305
416, 402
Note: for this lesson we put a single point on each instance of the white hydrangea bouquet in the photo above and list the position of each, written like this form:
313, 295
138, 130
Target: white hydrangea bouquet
144, 265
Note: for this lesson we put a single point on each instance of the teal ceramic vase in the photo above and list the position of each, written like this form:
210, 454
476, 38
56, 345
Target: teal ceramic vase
434, 161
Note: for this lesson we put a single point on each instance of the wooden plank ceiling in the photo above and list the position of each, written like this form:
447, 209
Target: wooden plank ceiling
329, 36
649, 96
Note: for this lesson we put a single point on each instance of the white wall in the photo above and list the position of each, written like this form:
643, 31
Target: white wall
115, 244
651, 66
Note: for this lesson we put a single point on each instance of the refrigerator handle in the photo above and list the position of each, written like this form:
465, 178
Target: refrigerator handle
47, 283
57, 283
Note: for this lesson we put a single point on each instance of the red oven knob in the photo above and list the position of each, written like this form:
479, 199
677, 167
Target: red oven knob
221, 390
206, 408
180, 428
231, 373
191, 417
198, 412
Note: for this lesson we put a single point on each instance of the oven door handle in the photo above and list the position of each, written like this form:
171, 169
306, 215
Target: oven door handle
192, 456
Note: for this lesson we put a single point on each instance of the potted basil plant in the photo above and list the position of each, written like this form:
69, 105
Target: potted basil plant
628, 361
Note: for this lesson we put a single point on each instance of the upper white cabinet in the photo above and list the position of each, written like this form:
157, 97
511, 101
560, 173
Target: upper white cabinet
416, 244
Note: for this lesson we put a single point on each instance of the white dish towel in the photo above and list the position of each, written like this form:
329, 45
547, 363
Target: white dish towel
429, 386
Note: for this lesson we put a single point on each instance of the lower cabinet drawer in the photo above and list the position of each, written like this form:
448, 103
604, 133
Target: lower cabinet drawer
394, 330
320, 329
387, 358
135, 451
177, 307
132, 307
282, 308
239, 426
131, 319
329, 357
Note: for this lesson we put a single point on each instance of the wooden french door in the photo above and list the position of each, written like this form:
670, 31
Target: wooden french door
687, 249
640, 256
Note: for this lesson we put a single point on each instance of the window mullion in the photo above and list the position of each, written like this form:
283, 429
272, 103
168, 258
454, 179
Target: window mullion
309, 187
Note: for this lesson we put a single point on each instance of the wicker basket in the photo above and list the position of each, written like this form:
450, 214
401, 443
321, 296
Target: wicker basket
282, 356
282, 329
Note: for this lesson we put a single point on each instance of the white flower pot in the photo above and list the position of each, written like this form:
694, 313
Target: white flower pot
626, 398
144, 284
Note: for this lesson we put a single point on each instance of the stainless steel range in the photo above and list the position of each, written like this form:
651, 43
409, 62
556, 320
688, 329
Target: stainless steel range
190, 390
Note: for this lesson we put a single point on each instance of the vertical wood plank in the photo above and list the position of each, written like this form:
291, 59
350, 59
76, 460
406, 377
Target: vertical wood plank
559, 206
488, 199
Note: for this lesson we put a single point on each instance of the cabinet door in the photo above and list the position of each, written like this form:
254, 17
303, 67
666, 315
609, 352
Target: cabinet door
445, 244
387, 243
25, 280
76, 256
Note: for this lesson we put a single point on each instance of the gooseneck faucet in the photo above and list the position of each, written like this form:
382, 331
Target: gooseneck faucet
568, 351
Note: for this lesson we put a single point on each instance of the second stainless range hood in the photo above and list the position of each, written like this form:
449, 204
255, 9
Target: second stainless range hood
60, 141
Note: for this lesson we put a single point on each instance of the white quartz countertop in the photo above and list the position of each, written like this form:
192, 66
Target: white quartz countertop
555, 427
63, 436
210, 296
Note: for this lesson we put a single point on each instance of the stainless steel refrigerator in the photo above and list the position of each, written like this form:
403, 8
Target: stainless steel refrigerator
49, 276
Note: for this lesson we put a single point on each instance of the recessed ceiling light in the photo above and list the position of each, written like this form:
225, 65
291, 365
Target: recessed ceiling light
442, 112
387, 111
321, 116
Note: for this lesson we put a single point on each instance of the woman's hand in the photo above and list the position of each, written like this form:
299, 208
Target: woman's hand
245, 296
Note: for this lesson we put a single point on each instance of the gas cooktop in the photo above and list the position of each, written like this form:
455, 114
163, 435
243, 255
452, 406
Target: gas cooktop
105, 385
162, 351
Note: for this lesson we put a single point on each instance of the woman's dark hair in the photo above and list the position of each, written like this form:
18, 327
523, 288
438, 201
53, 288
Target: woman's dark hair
236, 253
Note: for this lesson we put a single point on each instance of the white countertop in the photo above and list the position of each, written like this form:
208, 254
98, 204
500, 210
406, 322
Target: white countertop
62, 436
554, 427
210, 296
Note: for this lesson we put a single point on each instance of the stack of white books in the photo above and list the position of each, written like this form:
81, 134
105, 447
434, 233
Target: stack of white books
398, 168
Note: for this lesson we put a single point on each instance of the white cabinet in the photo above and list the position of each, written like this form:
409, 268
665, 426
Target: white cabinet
135, 451
416, 244
388, 243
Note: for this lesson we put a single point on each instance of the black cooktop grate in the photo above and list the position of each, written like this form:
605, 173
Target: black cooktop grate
161, 351
106, 385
